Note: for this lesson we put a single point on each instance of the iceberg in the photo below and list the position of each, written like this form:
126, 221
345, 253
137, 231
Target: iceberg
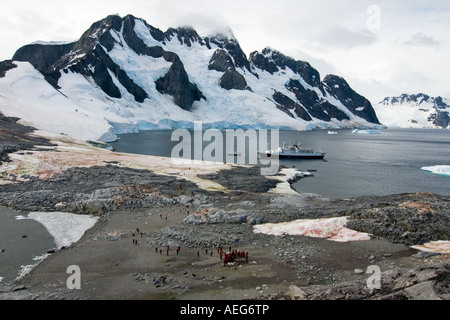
441, 170
367, 131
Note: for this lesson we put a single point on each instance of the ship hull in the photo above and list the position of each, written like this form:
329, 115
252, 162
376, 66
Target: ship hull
293, 156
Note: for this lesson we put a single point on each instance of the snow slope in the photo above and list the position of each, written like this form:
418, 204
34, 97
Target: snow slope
413, 111
66, 228
25, 94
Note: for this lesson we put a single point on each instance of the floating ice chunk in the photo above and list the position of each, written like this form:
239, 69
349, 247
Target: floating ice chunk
66, 228
368, 131
328, 228
441, 170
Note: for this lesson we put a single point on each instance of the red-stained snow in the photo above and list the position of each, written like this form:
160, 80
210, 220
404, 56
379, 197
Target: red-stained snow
333, 229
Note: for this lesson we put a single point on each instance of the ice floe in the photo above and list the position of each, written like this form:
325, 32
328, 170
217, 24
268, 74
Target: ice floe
441, 170
367, 131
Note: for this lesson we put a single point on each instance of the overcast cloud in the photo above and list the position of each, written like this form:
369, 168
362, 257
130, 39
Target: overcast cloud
380, 47
419, 39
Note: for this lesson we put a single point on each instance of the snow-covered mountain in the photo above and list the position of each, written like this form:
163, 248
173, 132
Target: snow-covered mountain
124, 75
414, 111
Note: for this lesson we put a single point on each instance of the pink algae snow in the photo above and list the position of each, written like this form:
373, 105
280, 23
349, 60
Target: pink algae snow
333, 229
440, 246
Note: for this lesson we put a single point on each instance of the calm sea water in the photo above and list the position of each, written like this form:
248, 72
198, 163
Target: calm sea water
21, 241
354, 165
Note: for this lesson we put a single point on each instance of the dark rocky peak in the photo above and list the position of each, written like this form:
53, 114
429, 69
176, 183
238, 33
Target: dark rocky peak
156, 33
221, 61
229, 43
87, 56
262, 62
440, 119
317, 107
440, 104
302, 68
418, 98
176, 81
186, 35
357, 104
385, 101
137, 44
287, 105
177, 84
99, 33
407, 98
232, 79
48, 58
42, 56
223, 37
5, 66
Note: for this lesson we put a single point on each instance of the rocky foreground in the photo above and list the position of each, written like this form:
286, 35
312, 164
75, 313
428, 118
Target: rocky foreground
148, 207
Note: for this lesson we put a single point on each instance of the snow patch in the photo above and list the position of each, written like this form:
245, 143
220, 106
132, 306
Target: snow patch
333, 229
25, 94
439, 246
66, 228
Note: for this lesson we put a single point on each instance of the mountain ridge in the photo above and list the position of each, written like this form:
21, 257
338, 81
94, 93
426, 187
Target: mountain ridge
414, 111
131, 76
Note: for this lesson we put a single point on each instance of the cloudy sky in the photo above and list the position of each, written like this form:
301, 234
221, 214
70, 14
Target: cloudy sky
381, 48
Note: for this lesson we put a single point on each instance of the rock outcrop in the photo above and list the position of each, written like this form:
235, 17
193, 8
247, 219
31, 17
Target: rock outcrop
424, 283
15, 137
357, 104
412, 220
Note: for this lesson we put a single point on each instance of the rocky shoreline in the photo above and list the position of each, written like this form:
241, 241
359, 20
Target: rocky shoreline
201, 209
